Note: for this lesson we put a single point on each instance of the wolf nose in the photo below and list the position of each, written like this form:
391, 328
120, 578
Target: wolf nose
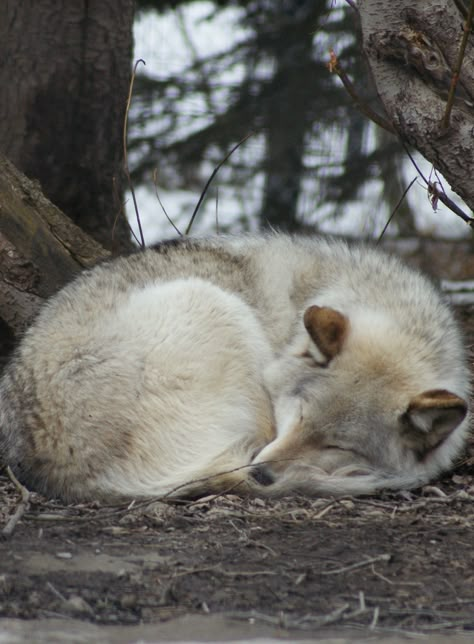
262, 475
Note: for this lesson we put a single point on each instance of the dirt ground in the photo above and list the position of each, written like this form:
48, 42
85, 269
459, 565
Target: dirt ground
398, 564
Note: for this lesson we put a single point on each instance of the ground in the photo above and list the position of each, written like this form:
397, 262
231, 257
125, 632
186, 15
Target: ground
392, 564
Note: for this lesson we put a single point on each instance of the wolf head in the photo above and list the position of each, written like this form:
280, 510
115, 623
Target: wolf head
364, 400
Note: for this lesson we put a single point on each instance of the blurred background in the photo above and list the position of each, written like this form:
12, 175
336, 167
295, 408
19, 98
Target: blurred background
219, 71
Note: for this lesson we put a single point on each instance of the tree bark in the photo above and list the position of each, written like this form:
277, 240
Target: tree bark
40, 250
64, 74
412, 49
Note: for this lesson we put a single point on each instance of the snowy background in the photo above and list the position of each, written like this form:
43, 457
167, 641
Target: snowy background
163, 43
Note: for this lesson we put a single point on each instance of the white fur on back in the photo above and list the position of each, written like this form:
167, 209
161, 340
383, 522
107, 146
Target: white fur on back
149, 371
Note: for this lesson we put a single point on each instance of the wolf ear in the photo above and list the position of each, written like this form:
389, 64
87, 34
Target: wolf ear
431, 417
327, 328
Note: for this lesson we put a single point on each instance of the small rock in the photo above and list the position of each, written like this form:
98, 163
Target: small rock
34, 599
78, 606
6, 584
128, 601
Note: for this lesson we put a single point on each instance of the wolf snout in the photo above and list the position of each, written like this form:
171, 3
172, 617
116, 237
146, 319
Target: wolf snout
262, 475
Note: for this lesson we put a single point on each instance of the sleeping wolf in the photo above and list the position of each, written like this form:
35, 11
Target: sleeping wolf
264, 364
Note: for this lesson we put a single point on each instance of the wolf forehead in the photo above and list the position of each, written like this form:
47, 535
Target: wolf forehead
363, 349
384, 343
389, 302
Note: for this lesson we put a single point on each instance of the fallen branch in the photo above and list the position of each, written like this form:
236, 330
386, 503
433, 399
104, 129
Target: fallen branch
282, 621
358, 564
22, 507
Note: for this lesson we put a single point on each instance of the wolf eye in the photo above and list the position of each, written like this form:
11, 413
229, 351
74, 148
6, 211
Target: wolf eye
340, 448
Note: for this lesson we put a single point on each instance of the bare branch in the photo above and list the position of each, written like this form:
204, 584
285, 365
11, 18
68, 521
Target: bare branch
335, 68
171, 222
125, 153
209, 181
22, 507
389, 220
457, 69
434, 192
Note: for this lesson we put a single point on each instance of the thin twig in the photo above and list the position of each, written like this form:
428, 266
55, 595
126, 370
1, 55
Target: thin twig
245, 573
217, 475
358, 564
395, 583
326, 508
358, 611
155, 183
335, 68
281, 620
213, 497
125, 153
121, 211
182, 572
55, 591
208, 183
462, 9
22, 507
375, 619
457, 70
433, 191
389, 220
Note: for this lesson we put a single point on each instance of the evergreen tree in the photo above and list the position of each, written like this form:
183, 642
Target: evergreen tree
313, 142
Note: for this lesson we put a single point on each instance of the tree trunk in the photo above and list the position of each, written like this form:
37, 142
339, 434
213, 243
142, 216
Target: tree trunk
288, 122
40, 250
64, 74
412, 48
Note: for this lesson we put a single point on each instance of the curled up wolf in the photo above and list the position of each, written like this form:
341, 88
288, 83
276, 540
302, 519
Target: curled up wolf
263, 364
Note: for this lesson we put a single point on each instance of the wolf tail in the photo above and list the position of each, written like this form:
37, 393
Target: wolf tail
347, 481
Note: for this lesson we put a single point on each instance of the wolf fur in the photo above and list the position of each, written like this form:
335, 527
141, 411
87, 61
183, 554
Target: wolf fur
271, 363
